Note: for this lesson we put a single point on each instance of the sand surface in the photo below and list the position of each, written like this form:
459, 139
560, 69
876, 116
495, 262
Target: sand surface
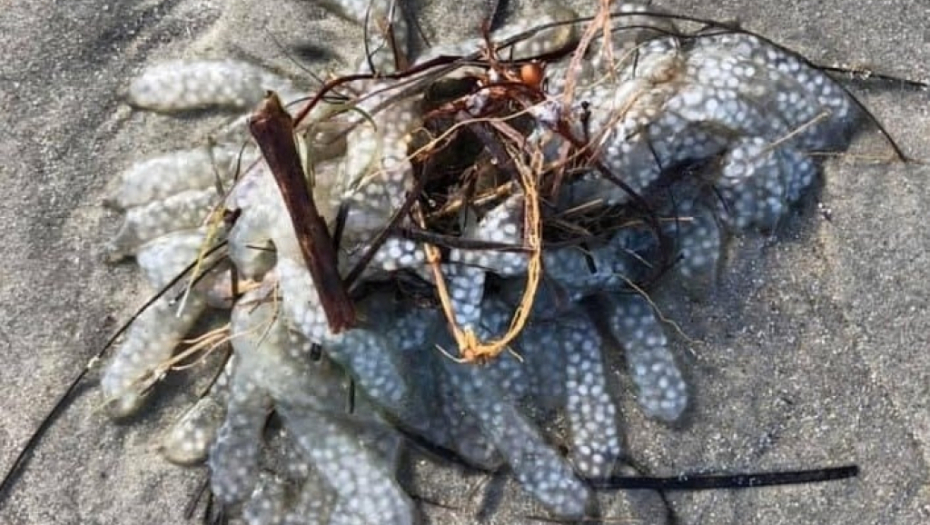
814, 350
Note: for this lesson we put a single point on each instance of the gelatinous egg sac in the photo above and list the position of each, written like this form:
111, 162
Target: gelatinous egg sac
666, 146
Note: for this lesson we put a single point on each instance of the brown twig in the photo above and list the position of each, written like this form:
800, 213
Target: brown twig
273, 130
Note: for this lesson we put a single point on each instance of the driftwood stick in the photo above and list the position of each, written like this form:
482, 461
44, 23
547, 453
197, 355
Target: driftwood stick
273, 130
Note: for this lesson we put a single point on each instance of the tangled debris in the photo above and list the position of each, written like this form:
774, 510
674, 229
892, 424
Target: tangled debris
477, 204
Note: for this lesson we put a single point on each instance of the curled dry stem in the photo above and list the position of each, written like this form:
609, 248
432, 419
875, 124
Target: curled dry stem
471, 348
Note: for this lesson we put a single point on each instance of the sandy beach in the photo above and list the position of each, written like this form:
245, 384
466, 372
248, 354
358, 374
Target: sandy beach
814, 349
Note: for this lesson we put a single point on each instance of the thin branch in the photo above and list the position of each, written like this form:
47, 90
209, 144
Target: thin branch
273, 130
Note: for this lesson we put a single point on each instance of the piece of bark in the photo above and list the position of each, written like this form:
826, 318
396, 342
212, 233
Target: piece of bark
273, 130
